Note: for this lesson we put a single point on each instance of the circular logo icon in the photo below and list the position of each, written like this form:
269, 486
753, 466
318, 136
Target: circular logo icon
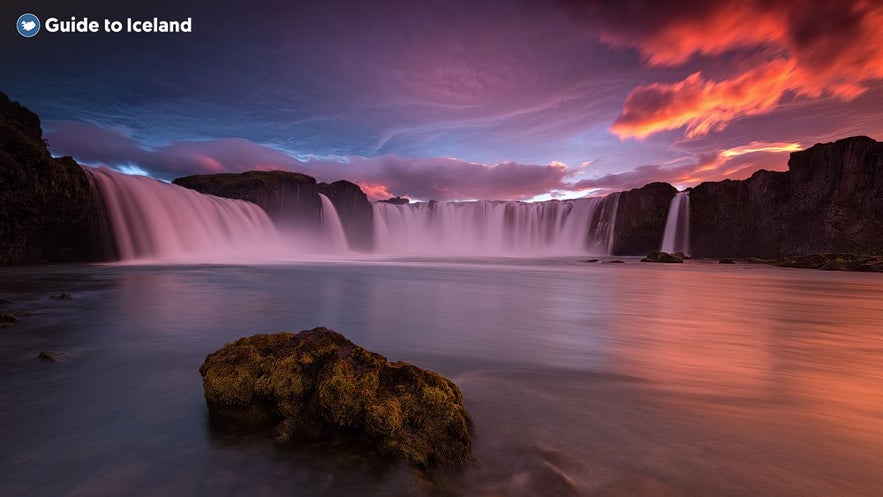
28, 25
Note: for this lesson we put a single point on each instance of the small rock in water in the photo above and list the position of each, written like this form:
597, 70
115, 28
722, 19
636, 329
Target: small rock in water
47, 355
616, 261
664, 257
726, 261
591, 260
7, 320
5, 301
62, 296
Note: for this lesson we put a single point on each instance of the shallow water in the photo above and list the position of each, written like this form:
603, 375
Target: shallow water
582, 379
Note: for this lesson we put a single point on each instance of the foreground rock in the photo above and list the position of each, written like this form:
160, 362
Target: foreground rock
664, 257
316, 383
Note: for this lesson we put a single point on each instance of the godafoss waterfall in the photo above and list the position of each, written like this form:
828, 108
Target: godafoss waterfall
580, 376
154, 221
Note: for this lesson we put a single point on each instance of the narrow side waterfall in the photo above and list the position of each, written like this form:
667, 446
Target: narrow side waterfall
496, 228
677, 225
156, 221
332, 236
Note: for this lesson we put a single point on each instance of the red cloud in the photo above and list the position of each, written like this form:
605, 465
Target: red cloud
777, 48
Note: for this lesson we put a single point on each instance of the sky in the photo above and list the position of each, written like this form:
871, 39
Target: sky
456, 99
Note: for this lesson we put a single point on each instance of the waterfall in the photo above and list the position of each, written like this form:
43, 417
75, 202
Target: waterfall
496, 228
677, 225
332, 235
155, 221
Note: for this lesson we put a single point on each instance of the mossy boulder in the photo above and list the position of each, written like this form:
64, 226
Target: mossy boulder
316, 383
677, 257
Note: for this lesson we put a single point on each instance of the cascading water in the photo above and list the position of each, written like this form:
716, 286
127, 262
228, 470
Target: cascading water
677, 225
497, 228
332, 237
156, 221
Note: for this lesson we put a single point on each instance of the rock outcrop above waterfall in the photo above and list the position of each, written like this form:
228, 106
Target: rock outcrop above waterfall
290, 199
355, 211
47, 213
317, 383
640, 219
830, 200
396, 201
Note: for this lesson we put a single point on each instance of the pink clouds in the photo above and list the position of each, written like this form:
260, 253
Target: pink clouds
439, 178
776, 49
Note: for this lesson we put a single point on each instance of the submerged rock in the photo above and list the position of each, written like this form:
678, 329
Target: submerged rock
62, 296
7, 319
726, 261
833, 262
48, 355
664, 257
316, 382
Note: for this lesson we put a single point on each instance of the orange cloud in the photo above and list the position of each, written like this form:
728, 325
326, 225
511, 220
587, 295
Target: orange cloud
375, 192
802, 48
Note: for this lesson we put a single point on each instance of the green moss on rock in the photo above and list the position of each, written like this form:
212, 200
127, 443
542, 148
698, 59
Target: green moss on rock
317, 382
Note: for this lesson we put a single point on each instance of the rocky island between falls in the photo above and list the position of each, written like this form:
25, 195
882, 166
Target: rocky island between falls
316, 383
829, 201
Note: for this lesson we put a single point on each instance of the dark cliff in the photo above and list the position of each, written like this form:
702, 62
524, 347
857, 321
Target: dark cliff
640, 219
747, 218
290, 199
47, 213
830, 200
355, 211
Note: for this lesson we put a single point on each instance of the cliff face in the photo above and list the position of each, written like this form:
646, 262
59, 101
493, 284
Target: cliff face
640, 219
47, 212
836, 197
830, 200
355, 211
746, 218
290, 199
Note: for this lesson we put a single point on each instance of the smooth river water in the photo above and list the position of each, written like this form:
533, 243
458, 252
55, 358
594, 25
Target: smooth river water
582, 379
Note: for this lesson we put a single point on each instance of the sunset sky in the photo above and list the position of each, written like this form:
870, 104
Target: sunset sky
456, 99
